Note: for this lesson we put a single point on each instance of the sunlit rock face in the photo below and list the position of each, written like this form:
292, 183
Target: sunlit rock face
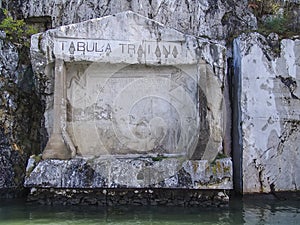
134, 90
270, 112
9, 157
215, 19
118, 172
20, 113
6, 164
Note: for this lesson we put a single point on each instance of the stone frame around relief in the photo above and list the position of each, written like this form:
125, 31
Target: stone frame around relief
158, 94
74, 135
162, 48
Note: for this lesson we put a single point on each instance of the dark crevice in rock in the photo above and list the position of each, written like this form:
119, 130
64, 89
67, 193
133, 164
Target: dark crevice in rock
291, 84
204, 126
260, 177
289, 128
20, 115
42, 23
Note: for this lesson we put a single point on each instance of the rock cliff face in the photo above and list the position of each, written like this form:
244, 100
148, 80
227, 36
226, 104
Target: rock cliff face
269, 73
266, 104
20, 118
215, 19
11, 178
21, 115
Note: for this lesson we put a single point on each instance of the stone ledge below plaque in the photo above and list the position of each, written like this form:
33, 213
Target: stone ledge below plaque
149, 171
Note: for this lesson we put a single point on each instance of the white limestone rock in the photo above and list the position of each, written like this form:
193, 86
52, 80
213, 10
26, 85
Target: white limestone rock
270, 113
215, 19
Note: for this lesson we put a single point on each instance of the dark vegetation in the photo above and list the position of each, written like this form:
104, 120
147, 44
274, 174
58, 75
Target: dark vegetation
277, 16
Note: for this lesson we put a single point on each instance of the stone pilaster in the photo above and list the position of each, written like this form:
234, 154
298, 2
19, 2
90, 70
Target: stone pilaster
56, 147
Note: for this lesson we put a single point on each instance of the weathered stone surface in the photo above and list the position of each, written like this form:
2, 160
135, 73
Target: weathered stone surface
19, 119
270, 112
8, 60
134, 86
12, 171
215, 19
6, 165
267, 164
130, 197
131, 172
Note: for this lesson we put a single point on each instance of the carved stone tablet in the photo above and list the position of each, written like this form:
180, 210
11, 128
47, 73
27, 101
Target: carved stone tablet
128, 85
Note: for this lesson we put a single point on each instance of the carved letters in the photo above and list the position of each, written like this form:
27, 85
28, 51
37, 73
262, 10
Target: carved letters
139, 49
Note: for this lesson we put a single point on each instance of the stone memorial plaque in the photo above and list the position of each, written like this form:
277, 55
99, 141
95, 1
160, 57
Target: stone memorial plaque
126, 85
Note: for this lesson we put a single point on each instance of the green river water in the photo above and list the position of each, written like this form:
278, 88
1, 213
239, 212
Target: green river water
250, 211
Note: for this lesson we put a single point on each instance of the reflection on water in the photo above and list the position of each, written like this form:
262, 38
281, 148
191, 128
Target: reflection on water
271, 211
250, 211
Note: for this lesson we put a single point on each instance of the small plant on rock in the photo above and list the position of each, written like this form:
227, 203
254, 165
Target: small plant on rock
275, 16
17, 31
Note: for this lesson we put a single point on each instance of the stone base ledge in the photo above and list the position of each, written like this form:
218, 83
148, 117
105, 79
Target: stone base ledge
135, 197
133, 172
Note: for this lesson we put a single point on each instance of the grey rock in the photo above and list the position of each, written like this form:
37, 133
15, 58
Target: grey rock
19, 119
9, 59
130, 197
270, 112
11, 176
2, 35
215, 19
126, 173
